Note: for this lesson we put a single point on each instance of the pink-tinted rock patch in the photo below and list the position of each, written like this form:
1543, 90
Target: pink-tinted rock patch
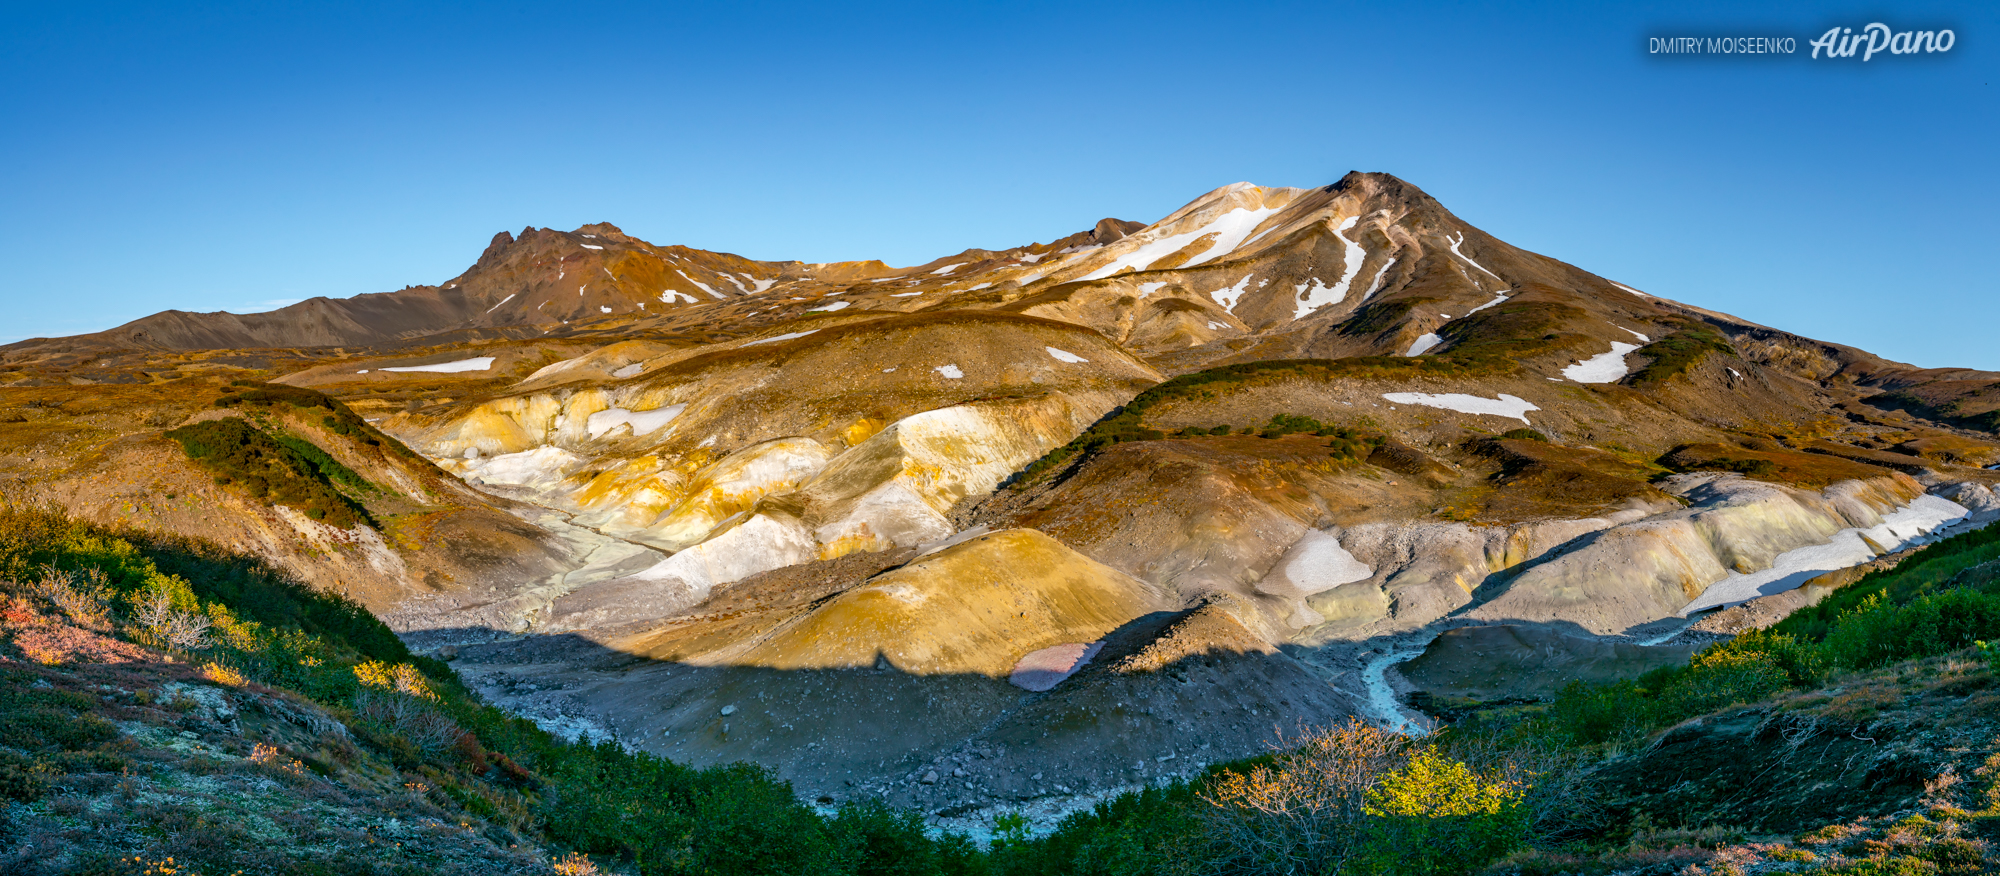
1044, 669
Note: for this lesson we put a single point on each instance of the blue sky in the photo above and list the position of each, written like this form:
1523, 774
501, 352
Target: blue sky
218, 156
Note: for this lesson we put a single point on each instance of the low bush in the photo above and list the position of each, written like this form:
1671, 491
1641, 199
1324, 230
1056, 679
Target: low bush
1678, 351
1945, 598
267, 469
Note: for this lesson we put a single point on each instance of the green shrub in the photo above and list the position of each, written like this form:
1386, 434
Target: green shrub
1879, 632
1436, 816
271, 470
329, 468
1679, 351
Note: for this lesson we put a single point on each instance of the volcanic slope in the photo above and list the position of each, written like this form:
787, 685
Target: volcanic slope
1094, 510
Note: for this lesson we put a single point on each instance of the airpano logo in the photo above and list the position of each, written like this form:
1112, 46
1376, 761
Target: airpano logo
1837, 43
1843, 42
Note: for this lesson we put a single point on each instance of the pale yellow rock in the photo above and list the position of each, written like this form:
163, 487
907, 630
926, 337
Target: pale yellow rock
975, 607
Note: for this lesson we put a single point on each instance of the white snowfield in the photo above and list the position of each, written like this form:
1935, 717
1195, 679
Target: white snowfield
979, 287
631, 370
604, 309
1318, 563
1504, 406
1603, 367
949, 268
785, 337
1065, 355
1322, 295
1468, 259
479, 364
904, 294
1795, 567
642, 422
588, 246
1422, 344
1642, 338
1628, 289
950, 371
1496, 300
670, 295
761, 285
1146, 290
1230, 228
704, 286
1227, 295
502, 301
837, 305
1377, 285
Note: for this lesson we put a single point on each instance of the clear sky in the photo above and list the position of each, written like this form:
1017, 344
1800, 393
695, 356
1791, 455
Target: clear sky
236, 156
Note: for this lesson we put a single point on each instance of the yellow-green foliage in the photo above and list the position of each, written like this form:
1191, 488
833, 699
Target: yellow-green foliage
401, 678
1435, 815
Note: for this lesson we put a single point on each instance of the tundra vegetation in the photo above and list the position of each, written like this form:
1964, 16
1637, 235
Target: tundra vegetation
170, 704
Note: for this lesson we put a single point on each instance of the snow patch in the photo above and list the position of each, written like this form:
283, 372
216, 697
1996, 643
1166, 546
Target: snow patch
605, 309
950, 371
1319, 564
1422, 344
760, 285
1147, 289
1230, 228
1504, 406
905, 294
1322, 295
1795, 567
497, 306
480, 364
949, 268
1377, 285
588, 246
1227, 295
837, 305
1628, 289
631, 370
642, 422
1468, 259
704, 286
671, 294
1496, 300
776, 338
1603, 367
1044, 669
979, 287
1641, 337
1065, 356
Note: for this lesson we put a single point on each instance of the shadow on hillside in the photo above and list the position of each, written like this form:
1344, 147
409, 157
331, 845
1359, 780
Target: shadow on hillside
879, 730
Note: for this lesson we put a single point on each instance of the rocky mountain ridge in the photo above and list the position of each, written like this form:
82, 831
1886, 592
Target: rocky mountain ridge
1094, 511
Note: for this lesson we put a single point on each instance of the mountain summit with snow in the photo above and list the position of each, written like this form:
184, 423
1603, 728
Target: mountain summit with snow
1021, 524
